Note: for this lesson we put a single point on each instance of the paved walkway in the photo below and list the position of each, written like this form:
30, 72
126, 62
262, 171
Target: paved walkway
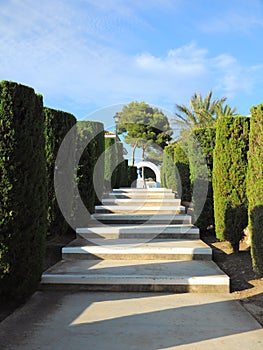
53, 320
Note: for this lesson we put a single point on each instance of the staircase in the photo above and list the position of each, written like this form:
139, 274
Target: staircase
138, 240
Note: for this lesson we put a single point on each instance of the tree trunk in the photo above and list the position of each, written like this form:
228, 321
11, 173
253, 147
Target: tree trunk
143, 177
133, 153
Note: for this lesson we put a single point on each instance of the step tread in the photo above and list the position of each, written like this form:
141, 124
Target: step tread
174, 271
134, 217
140, 228
137, 246
141, 201
140, 207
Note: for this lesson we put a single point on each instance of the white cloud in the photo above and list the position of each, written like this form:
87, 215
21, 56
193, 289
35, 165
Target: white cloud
66, 55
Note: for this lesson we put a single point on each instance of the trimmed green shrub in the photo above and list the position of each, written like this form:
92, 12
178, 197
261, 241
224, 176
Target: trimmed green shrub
119, 169
205, 137
132, 176
89, 137
169, 179
229, 178
255, 188
23, 190
199, 178
181, 162
97, 129
85, 167
58, 123
110, 163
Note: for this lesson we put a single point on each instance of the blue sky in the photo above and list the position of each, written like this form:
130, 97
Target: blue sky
86, 55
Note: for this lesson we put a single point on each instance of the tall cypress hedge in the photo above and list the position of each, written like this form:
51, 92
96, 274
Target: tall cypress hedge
255, 188
181, 162
110, 163
168, 169
119, 171
132, 176
58, 123
23, 190
91, 134
205, 138
229, 178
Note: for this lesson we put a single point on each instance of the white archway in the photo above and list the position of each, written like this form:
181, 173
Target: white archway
154, 168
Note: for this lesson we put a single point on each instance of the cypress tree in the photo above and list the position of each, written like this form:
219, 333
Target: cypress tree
205, 137
110, 163
58, 123
229, 178
169, 171
255, 188
23, 190
181, 162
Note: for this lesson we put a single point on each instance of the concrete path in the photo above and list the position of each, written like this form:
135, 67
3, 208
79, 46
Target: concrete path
54, 320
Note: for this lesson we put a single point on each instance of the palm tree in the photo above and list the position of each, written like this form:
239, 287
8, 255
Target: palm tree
202, 112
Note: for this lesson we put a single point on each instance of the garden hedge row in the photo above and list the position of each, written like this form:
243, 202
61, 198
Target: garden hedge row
200, 151
168, 171
90, 143
58, 123
255, 188
23, 190
229, 178
181, 162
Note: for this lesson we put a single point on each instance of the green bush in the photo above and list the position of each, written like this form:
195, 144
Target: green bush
181, 162
58, 123
132, 176
229, 178
119, 171
110, 163
169, 179
205, 137
90, 171
255, 188
23, 190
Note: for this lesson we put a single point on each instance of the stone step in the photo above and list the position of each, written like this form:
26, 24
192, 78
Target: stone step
142, 218
142, 202
137, 249
131, 275
139, 209
143, 190
139, 231
141, 195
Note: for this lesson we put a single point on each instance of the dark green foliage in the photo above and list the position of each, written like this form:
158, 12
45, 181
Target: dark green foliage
255, 188
144, 127
119, 171
148, 173
110, 163
97, 147
199, 178
90, 172
23, 190
205, 137
229, 178
168, 169
58, 123
132, 176
182, 173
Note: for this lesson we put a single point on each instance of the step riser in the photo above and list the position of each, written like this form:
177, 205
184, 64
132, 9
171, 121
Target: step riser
145, 203
138, 212
142, 196
87, 236
135, 287
142, 221
142, 190
154, 256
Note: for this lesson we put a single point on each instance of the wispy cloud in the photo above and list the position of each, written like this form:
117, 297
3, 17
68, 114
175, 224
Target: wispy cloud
67, 54
238, 16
